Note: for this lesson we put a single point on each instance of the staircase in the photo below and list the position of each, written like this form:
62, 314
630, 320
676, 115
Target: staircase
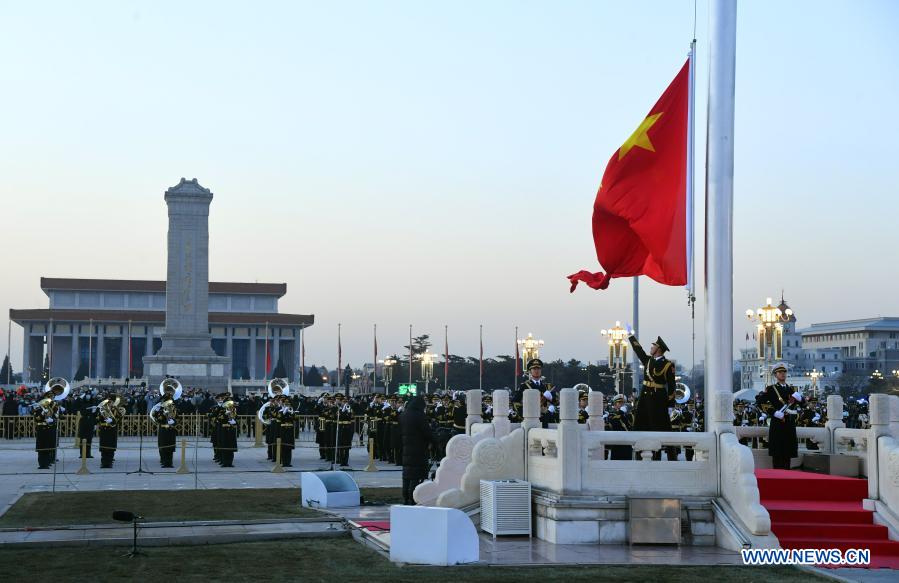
815, 511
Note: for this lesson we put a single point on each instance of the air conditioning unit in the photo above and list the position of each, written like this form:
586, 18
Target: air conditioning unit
506, 507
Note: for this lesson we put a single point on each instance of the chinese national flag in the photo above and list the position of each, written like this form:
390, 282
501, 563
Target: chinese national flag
639, 216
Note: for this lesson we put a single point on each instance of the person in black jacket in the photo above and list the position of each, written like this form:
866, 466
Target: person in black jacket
417, 438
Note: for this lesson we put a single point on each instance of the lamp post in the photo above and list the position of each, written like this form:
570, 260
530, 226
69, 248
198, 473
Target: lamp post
388, 373
815, 375
617, 352
530, 348
427, 367
769, 329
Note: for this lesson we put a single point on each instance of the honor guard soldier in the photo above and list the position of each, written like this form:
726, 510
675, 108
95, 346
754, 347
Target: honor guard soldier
110, 412
487, 409
46, 417
657, 393
321, 426
164, 415
619, 419
783, 404
535, 380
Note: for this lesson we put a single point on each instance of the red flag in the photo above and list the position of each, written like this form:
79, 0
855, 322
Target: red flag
639, 216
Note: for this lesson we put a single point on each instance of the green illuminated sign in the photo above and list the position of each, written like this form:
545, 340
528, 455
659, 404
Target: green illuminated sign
407, 390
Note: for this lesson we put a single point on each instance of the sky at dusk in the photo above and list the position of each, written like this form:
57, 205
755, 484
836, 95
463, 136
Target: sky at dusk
436, 164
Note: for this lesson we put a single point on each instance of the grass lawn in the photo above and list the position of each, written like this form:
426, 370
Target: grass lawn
332, 560
64, 508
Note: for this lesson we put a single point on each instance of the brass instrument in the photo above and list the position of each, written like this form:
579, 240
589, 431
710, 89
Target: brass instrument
111, 409
264, 414
230, 410
278, 387
682, 393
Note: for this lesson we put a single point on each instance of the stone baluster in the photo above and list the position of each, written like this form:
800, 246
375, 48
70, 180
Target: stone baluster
894, 416
596, 407
501, 423
834, 419
879, 415
569, 442
530, 403
472, 408
722, 415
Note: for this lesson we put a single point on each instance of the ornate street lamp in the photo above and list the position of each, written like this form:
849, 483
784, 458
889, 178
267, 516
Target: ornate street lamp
388, 373
770, 332
427, 368
530, 348
815, 375
617, 352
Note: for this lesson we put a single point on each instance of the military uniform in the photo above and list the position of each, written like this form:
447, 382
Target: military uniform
284, 425
783, 404
46, 415
110, 414
166, 434
657, 394
343, 419
226, 439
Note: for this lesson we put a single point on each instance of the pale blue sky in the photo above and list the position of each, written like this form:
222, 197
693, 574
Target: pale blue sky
436, 163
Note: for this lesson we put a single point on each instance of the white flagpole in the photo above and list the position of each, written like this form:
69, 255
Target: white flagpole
636, 361
719, 284
691, 228
410, 356
374, 372
8, 341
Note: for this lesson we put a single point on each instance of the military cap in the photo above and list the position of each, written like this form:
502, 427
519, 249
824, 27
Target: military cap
535, 363
339, 396
661, 344
619, 398
779, 367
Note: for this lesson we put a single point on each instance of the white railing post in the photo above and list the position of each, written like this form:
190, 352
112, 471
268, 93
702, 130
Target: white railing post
569, 438
472, 408
501, 423
595, 422
722, 414
834, 419
879, 411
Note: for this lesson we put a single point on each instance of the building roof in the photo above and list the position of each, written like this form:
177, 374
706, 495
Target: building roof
144, 285
156, 317
889, 324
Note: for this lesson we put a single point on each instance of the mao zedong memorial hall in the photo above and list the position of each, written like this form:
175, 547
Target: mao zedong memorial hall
208, 334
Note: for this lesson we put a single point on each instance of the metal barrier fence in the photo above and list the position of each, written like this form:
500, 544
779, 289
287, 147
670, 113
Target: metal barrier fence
20, 427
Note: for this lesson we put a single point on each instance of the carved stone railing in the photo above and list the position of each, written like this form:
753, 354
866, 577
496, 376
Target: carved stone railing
739, 486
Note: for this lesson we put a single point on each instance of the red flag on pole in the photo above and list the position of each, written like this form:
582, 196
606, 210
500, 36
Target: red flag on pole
639, 215
339, 356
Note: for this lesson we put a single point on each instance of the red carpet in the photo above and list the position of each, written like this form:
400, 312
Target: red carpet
375, 525
816, 511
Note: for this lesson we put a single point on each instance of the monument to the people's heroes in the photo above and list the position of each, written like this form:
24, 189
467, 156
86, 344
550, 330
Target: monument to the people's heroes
186, 350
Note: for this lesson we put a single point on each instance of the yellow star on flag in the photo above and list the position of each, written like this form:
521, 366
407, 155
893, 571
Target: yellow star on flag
640, 139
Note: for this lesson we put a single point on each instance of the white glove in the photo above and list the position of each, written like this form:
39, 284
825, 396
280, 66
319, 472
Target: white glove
548, 395
232, 422
108, 420
797, 396
623, 409
779, 414
816, 418
489, 410
49, 419
552, 409
762, 417
171, 421
792, 412
605, 415
62, 409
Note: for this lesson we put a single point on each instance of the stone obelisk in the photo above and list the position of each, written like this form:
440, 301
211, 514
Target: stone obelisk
186, 351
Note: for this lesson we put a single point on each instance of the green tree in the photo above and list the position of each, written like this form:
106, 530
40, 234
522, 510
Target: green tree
6, 373
280, 371
312, 377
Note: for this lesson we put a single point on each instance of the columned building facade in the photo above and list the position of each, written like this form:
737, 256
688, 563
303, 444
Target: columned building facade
101, 328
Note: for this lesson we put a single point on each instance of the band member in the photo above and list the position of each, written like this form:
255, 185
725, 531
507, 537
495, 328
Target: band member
46, 417
459, 414
164, 415
86, 427
321, 431
227, 431
395, 438
343, 416
110, 413
582, 414
215, 416
782, 403
619, 419
284, 418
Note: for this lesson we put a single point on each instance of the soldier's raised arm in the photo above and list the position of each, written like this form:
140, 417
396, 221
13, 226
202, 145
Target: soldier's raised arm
638, 349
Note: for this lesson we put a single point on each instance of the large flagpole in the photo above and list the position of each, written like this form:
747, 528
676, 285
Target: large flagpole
410, 356
481, 360
8, 351
691, 229
635, 366
339, 357
719, 291
374, 372
303, 357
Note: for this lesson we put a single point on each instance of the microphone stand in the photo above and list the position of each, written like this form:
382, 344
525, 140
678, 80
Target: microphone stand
134, 552
140, 457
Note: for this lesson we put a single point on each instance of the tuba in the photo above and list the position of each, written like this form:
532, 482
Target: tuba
112, 409
681, 393
172, 387
278, 387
